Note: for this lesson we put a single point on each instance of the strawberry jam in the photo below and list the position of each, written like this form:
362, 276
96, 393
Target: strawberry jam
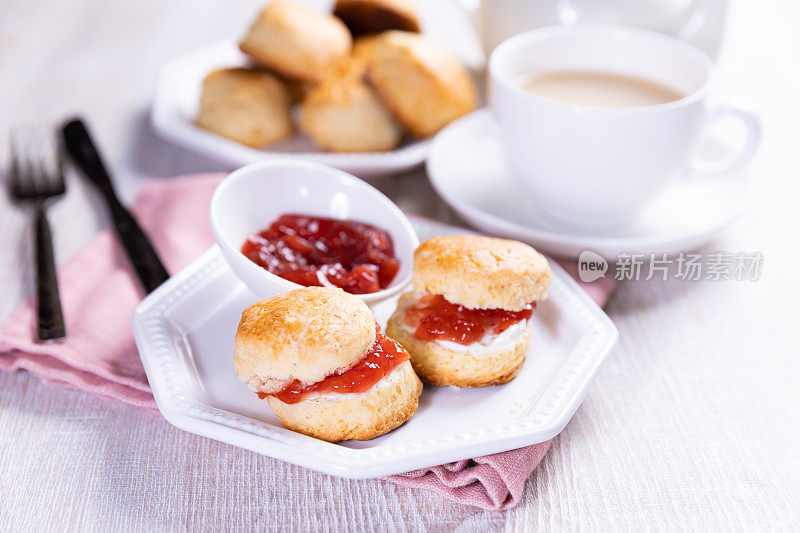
383, 357
434, 318
315, 251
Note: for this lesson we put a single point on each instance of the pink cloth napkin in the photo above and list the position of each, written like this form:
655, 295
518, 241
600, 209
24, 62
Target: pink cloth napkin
99, 293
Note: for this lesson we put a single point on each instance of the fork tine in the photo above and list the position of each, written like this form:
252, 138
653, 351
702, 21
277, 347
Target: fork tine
42, 164
37, 175
14, 173
50, 164
18, 182
29, 176
58, 171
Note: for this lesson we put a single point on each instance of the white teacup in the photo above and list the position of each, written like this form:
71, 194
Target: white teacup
598, 167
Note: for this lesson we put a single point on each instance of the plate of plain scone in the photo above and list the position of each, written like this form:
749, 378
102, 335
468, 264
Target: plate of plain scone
504, 341
359, 89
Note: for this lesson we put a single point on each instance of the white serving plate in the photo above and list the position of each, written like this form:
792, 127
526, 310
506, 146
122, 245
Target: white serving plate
468, 169
185, 329
176, 102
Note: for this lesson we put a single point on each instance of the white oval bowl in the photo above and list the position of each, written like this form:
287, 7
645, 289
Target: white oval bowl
251, 198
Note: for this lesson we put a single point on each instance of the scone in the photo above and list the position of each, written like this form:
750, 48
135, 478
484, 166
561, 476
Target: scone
316, 355
423, 86
247, 105
466, 321
343, 113
296, 41
375, 16
297, 89
363, 48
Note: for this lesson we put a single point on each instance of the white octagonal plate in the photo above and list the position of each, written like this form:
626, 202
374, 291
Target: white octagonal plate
185, 329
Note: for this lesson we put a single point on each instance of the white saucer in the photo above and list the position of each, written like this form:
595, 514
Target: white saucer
467, 167
175, 106
185, 331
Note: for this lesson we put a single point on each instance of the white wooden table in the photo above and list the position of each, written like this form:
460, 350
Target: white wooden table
694, 423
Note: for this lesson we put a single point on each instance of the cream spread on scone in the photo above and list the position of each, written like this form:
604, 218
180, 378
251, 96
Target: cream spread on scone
490, 342
394, 377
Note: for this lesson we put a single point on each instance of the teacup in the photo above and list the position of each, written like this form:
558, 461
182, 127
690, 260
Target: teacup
592, 166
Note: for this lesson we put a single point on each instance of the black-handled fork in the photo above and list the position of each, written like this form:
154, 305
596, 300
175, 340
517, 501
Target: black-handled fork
36, 177
141, 253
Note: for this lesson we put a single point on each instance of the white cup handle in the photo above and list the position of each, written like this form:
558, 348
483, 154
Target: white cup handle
697, 14
710, 168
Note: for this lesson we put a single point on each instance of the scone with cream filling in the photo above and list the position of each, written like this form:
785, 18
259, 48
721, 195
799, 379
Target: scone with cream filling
316, 355
466, 323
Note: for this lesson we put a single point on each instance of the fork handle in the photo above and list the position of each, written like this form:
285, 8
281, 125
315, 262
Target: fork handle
137, 245
48, 303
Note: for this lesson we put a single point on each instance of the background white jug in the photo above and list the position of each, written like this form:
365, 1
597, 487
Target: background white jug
700, 22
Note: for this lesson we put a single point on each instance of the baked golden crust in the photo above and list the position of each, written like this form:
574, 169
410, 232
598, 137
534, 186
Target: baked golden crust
343, 114
296, 41
375, 16
297, 89
481, 272
249, 106
363, 48
439, 366
421, 84
389, 403
303, 334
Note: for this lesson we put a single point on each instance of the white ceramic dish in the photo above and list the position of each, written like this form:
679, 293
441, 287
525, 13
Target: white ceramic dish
252, 197
468, 169
175, 107
597, 168
185, 329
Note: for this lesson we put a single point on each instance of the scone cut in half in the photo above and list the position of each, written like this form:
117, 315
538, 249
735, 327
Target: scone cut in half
296, 41
316, 355
249, 106
466, 323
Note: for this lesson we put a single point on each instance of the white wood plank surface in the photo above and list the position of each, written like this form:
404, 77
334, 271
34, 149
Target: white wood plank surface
693, 424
